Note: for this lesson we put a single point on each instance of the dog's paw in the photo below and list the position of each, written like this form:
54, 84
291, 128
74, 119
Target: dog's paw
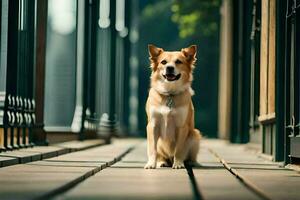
178, 165
163, 164
150, 165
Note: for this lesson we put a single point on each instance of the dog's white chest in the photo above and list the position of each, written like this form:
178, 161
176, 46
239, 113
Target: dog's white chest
166, 119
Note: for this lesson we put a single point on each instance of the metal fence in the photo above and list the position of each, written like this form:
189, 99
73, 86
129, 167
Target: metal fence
292, 76
104, 43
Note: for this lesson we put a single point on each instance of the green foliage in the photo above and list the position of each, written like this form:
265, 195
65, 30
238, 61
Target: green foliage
196, 17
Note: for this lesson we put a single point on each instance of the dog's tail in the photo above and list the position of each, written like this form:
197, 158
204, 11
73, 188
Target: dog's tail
197, 134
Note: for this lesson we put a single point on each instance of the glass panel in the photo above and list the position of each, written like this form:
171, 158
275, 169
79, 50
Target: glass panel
3, 44
60, 72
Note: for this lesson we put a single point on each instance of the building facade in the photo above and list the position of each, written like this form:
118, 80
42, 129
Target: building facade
259, 76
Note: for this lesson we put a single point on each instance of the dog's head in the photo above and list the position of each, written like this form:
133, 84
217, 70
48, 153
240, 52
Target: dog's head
172, 70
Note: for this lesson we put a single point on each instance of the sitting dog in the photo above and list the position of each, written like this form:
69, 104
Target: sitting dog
171, 136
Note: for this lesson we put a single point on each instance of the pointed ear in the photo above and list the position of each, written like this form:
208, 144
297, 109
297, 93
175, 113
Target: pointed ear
190, 53
154, 52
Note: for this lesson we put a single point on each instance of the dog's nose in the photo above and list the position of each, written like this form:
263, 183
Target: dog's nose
170, 69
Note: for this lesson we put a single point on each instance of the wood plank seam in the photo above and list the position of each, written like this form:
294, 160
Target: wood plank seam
46, 155
58, 191
249, 184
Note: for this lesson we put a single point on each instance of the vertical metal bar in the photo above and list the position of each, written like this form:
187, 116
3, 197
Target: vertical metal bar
12, 62
108, 121
80, 34
292, 80
297, 68
241, 95
280, 76
112, 92
21, 71
89, 56
257, 62
91, 49
30, 45
126, 64
252, 60
39, 135
87, 18
286, 82
293, 127
133, 75
120, 41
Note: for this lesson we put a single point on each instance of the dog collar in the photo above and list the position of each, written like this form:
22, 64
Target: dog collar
170, 101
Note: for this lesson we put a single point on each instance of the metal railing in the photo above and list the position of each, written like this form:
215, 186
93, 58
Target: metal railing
17, 107
101, 100
292, 75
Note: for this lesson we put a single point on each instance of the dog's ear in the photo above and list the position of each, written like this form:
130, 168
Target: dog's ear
190, 53
154, 52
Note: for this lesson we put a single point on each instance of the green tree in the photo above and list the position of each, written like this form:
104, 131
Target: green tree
196, 17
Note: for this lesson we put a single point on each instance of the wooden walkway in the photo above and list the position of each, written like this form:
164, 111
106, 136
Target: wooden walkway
115, 171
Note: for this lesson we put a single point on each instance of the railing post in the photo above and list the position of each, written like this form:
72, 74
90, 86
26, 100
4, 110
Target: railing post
126, 64
39, 135
86, 56
122, 65
133, 69
77, 124
12, 67
108, 121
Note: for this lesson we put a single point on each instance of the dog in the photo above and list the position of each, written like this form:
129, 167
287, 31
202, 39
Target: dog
171, 136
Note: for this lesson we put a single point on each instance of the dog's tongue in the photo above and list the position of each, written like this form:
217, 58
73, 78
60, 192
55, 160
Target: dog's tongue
171, 77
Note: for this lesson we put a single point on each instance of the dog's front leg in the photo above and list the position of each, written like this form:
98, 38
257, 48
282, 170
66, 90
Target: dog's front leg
180, 148
152, 137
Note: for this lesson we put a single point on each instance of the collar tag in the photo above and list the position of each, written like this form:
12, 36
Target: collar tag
170, 102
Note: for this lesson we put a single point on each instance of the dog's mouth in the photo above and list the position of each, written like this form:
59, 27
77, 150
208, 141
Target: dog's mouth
172, 77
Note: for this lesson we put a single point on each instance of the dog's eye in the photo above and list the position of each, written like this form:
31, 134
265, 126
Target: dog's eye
178, 62
163, 62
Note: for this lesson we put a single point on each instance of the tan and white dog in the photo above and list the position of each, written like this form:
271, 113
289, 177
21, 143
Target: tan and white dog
171, 136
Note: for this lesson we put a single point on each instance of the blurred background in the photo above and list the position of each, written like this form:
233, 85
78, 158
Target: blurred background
79, 69
169, 24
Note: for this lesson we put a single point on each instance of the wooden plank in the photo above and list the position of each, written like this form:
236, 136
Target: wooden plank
274, 181
214, 181
43, 152
80, 145
43, 179
278, 184
29, 154
29, 182
22, 156
221, 184
46, 151
134, 183
272, 58
107, 153
7, 161
236, 153
138, 155
128, 179
264, 57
